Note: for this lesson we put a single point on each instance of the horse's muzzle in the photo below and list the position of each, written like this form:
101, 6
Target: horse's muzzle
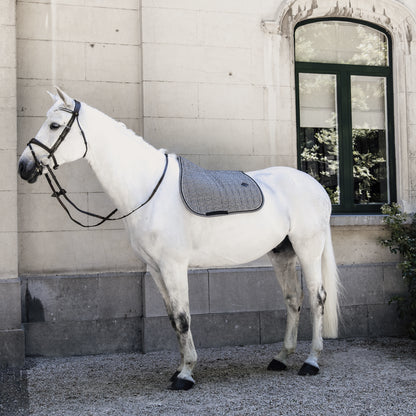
28, 170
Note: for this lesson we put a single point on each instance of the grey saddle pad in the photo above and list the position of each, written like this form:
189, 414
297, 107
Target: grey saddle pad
218, 192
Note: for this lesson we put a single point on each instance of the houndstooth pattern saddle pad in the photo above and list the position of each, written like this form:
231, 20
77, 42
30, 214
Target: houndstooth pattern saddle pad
218, 192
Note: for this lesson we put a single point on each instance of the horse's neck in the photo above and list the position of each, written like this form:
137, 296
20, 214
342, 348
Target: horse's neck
127, 167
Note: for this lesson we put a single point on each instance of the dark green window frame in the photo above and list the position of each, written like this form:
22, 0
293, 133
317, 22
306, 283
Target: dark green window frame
343, 73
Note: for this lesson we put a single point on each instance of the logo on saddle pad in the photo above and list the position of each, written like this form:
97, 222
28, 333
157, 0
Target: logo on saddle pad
218, 192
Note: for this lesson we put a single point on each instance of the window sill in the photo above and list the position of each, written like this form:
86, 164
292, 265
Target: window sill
339, 220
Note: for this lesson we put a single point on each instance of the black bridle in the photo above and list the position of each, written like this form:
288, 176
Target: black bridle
58, 192
51, 150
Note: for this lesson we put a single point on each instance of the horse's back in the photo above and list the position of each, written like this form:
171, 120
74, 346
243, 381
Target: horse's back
299, 192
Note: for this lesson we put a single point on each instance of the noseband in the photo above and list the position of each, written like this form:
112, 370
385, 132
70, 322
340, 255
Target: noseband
58, 191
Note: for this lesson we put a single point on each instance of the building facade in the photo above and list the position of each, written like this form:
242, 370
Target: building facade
237, 84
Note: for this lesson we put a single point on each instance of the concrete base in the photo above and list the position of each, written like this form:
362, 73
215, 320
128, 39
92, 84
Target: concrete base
12, 337
78, 315
72, 315
12, 348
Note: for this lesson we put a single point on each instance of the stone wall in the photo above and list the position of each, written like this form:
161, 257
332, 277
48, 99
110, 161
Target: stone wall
91, 49
11, 334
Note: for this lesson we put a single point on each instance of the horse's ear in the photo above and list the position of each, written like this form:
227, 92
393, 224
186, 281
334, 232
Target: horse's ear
53, 96
68, 101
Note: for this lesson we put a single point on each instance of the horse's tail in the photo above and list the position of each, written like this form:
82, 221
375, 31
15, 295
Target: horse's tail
331, 285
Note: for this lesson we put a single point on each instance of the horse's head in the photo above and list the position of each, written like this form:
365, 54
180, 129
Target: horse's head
56, 142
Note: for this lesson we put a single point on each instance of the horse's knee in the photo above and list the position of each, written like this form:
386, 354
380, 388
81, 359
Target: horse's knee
180, 322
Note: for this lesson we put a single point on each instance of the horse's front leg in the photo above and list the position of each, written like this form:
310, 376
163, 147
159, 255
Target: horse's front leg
173, 285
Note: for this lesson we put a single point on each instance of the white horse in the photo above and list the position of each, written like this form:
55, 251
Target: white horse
294, 221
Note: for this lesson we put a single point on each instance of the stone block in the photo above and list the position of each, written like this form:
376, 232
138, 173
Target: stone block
218, 330
196, 64
213, 330
8, 51
394, 284
158, 334
81, 298
169, 26
230, 6
103, 62
353, 321
77, 23
76, 252
243, 290
8, 125
360, 245
41, 213
198, 295
8, 181
362, 284
12, 347
166, 99
8, 204
57, 339
59, 299
199, 136
30, 21
272, 326
384, 321
116, 99
232, 30
125, 4
32, 55
7, 13
10, 309
231, 101
8, 255
120, 295
271, 137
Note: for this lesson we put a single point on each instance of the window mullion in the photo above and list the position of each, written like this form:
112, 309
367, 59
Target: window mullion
345, 141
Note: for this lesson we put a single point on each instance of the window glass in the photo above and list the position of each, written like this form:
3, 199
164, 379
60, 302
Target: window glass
318, 130
368, 104
341, 42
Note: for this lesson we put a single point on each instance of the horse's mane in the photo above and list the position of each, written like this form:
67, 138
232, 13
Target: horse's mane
131, 133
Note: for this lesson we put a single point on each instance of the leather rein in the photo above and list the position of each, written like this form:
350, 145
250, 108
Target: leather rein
60, 193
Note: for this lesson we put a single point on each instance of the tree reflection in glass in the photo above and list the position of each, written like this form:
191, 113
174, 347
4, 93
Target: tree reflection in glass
318, 130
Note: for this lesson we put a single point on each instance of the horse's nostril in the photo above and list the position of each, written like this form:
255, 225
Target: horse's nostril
27, 171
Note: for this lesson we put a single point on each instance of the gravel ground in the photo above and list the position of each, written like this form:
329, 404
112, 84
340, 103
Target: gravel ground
358, 377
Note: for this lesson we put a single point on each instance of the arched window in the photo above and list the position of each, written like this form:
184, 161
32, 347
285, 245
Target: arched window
345, 112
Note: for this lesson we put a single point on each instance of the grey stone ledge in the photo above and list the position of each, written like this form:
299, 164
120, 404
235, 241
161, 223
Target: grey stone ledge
357, 220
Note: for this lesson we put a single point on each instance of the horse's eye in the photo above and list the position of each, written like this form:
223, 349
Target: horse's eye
54, 126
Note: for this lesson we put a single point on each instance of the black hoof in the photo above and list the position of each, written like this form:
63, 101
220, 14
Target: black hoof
276, 365
182, 384
174, 376
308, 370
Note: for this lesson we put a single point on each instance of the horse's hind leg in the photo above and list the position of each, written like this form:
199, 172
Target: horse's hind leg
173, 286
309, 252
283, 259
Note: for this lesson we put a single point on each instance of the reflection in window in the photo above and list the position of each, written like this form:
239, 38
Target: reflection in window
318, 130
341, 42
368, 100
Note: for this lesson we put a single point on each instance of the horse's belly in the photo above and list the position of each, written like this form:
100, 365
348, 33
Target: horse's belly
236, 239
